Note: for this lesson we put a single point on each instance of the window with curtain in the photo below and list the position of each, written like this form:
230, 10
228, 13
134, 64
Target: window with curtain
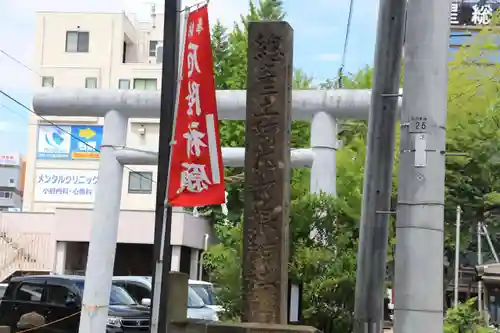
48, 81
77, 41
145, 84
123, 84
91, 82
140, 182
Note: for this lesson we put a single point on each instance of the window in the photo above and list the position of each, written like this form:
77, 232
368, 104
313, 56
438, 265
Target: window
123, 84
138, 292
5, 195
145, 84
140, 182
159, 55
60, 295
29, 293
206, 292
77, 41
48, 81
91, 82
152, 48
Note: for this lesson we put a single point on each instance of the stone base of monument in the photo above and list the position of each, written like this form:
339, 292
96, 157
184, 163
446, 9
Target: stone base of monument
177, 300
193, 326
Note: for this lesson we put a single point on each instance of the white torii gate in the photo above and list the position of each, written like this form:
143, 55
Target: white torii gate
321, 107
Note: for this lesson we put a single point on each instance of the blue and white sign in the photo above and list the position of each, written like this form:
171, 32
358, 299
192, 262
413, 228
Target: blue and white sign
65, 185
54, 142
86, 142
69, 142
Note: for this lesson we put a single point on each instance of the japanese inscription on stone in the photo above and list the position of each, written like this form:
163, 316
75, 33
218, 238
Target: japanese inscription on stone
267, 172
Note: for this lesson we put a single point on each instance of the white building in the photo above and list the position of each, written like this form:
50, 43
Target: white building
92, 50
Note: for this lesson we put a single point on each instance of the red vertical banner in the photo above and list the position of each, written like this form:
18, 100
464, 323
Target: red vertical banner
196, 175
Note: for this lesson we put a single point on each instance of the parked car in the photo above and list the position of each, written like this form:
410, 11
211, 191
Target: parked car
140, 288
52, 297
206, 291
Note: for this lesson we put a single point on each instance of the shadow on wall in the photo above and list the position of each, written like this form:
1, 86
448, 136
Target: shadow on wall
130, 259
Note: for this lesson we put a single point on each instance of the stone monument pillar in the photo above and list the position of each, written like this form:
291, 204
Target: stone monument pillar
267, 172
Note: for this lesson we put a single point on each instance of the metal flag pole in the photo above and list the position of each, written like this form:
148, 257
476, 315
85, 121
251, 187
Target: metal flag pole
163, 213
457, 254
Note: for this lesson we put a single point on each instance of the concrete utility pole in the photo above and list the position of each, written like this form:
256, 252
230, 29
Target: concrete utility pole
377, 189
267, 176
163, 213
420, 218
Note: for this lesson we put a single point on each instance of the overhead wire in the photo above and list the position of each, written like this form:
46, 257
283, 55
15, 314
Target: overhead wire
50, 122
340, 82
228, 179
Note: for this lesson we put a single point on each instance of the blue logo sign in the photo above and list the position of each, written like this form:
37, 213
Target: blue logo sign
54, 142
69, 142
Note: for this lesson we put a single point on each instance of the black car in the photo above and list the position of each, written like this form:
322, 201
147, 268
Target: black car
54, 297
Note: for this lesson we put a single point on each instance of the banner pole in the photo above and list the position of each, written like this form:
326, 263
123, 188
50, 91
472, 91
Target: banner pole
163, 213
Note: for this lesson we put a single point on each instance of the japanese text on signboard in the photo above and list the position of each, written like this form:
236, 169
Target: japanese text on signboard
196, 170
473, 13
65, 185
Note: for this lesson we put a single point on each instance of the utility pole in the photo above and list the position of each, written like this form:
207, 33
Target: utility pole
479, 263
163, 214
490, 243
457, 255
420, 218
377, 189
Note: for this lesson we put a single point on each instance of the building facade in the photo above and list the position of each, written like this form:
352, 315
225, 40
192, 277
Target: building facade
97, 51
11, 182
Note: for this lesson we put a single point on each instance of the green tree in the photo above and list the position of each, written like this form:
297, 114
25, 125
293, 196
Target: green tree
465, 319
230, 68
327, 268
473, 130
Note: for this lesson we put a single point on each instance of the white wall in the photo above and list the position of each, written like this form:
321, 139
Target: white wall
107, 32
74, 225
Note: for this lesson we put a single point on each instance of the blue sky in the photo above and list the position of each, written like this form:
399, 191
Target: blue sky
319, 34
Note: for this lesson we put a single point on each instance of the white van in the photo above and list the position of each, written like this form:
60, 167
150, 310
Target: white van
207, 293
140, 288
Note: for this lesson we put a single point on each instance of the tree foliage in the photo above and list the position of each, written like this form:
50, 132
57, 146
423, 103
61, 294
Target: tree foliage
465, 318
473, 130
230, 67
326, 268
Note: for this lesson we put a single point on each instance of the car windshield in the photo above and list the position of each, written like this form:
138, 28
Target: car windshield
194, 301
118, 295
206, 292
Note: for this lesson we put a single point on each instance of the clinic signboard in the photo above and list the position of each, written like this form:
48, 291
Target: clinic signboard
69, 142
65, 185
473, 12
